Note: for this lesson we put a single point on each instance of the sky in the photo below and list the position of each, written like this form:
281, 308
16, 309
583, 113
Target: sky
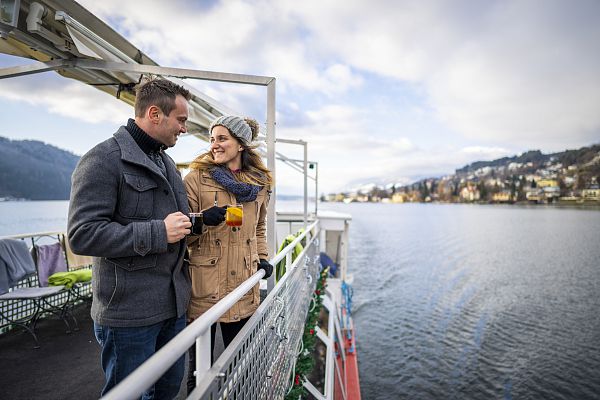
383, 91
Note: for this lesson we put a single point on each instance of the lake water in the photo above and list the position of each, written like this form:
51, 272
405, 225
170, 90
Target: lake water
476, 302
457, 301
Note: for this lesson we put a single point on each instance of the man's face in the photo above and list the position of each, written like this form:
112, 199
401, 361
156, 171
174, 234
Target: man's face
172, 125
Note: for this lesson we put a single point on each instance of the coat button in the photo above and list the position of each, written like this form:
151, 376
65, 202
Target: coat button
232, 272
234, 229
235, 317
212, 261
218, 242
248, 241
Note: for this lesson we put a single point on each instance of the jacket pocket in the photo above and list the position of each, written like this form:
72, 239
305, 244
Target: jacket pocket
205, 277
136, 197
109, 285
135, 263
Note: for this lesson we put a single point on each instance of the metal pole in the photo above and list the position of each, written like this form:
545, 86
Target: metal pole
271, 216
316, 188
203, 356
305, 184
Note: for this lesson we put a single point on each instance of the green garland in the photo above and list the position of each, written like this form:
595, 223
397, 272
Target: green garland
305, 362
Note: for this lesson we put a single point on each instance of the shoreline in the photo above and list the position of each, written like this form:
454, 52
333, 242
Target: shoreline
583, 205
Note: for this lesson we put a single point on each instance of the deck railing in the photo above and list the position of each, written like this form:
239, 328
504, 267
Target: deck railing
259, 361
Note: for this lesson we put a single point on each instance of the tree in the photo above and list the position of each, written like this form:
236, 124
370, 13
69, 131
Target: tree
483, 192
423, 190
513, 188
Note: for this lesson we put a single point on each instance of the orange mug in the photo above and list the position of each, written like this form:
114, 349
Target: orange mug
234, 215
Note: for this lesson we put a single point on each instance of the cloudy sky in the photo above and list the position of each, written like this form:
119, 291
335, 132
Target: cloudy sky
384, 91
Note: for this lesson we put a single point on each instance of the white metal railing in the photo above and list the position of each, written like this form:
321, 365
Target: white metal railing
276, 327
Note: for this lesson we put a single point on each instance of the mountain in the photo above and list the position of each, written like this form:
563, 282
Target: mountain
568, 157
33, 170
564, 174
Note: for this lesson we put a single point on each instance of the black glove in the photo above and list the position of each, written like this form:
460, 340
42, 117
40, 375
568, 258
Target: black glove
264, 264
213, 216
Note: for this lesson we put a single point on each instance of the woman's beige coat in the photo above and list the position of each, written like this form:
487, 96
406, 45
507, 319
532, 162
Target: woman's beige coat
223, 257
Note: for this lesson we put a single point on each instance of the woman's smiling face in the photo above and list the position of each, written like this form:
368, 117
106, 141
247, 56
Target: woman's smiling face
225, 148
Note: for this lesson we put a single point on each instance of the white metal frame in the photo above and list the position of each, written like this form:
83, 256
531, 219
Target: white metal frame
269, 82
304, 171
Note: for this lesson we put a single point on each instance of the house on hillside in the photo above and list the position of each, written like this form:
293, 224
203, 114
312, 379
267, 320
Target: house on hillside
399, 197
470, 193
503, 196
591, 193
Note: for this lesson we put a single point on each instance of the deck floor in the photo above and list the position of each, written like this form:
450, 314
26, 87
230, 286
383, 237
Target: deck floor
66, 366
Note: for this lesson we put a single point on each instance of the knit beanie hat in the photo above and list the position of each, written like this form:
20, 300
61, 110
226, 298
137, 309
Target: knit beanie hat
237, 126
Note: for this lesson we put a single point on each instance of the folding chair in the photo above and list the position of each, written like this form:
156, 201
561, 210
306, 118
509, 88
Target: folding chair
23, 302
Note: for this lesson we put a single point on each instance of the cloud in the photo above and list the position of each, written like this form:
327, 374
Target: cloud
339, 138
234, 36
403, 89
524, 72
66, 98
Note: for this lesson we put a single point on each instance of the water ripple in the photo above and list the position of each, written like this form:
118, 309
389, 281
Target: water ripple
463, 302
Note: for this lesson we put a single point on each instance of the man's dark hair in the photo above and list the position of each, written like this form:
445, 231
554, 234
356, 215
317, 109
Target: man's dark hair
160, 93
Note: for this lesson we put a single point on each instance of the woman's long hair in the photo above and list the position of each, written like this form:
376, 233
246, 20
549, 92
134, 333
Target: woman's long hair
253, 169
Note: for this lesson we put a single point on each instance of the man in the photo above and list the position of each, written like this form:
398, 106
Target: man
129, 210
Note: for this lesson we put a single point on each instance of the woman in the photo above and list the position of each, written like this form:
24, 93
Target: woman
222, 257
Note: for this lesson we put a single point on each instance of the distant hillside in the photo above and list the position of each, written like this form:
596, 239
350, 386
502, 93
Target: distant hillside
568, 157
33, 170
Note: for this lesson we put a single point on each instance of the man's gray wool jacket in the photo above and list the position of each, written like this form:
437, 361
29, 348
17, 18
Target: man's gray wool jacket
119, 199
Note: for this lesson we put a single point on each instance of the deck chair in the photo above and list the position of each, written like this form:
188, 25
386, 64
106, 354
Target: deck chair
19, 284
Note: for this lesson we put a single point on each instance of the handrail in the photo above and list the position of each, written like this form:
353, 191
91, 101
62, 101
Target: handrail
138, 381
219, 365
28, 235
287, 249
152, 369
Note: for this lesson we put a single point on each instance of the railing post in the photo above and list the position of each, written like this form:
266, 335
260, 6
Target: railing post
271, 216
203, 356
305, 220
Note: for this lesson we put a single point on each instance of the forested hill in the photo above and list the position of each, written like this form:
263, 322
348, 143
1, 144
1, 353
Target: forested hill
33, 170
568, 157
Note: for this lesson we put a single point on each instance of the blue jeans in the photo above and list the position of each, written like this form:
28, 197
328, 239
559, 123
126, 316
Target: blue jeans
125, 349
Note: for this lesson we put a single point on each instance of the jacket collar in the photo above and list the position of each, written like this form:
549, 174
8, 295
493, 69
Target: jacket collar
207, 180
131, 152
146, 142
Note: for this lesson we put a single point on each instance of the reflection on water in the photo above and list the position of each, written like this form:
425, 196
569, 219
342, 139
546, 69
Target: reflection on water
476, 302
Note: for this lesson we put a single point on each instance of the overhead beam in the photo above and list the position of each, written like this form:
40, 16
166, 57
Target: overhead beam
181, 73
35, 68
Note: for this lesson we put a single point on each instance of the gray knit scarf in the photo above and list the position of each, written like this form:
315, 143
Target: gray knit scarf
243, 192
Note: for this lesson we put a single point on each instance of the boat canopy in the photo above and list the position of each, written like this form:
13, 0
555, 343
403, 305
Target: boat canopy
63, 34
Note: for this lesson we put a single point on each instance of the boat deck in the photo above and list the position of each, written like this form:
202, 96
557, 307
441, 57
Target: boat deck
66, 366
